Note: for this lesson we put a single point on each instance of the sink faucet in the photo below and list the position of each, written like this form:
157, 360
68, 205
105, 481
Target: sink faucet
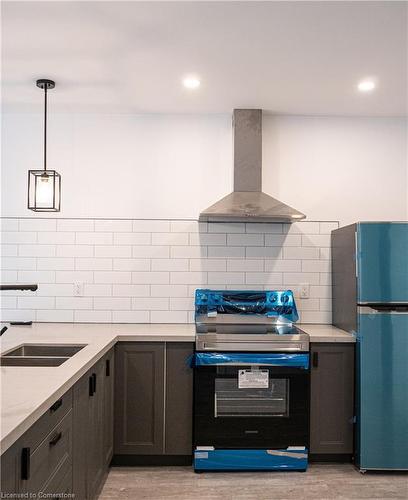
31, 288
3, 330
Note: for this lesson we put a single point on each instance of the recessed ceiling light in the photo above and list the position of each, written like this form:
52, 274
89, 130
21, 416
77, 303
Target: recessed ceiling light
191, 82
366, 86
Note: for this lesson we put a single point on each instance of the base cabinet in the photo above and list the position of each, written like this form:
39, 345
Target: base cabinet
332, 399
153, 400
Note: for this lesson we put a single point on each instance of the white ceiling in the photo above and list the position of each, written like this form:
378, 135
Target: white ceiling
129, 57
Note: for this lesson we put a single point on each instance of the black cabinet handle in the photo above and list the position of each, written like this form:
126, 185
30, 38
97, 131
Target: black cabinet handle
315, 359
94, 382
25, 463
91, 391
55, 439
107, 372
56, 405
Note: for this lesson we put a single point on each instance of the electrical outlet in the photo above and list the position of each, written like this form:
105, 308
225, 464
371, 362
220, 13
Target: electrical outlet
78, 289
304, 290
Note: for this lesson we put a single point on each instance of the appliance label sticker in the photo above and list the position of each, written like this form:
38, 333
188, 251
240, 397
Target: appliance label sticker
253, 379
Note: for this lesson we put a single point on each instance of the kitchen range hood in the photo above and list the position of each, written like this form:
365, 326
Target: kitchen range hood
247, 203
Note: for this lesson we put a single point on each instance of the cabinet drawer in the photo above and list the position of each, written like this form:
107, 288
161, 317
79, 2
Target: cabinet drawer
49, 456
60, 483
38, 431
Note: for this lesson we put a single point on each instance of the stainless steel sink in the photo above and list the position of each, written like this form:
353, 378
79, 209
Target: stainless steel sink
31, 361
49, 350
40, 354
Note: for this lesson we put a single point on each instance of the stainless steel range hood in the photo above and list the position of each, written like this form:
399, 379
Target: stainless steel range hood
247, 203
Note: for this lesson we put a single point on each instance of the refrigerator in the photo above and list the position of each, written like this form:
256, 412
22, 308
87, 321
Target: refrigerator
370, 300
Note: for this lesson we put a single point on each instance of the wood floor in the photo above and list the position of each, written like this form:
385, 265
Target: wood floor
321, 481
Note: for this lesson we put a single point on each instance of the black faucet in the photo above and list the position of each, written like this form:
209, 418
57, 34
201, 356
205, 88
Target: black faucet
3, 330
31, 288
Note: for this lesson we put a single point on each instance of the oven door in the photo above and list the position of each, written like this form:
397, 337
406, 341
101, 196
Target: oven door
251, 400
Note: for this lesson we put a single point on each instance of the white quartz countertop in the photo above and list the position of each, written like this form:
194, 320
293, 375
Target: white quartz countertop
27, 392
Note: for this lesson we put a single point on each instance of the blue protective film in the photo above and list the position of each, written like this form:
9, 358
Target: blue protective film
279, 304
219, 358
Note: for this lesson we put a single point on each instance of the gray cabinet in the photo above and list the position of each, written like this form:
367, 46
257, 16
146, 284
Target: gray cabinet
153, 399
332, 398
93, 428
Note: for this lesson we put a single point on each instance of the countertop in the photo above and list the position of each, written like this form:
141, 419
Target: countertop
27, 392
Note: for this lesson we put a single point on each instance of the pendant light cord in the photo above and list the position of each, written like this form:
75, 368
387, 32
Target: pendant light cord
45, 128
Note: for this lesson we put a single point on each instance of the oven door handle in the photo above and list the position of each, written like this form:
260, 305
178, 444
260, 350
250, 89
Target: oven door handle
251, 359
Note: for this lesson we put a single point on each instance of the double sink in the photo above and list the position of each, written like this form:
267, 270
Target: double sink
40, 355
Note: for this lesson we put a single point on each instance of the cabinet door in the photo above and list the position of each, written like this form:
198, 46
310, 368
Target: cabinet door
80, 436
10, 470
139, 398
108, 407
95, 456
332, 398
179, 398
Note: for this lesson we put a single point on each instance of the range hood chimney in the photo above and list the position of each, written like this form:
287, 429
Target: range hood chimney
247, 203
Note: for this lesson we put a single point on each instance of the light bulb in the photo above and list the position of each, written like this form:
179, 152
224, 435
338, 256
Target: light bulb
45, 190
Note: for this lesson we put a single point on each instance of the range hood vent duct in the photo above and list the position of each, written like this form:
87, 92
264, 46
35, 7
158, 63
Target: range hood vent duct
247, 203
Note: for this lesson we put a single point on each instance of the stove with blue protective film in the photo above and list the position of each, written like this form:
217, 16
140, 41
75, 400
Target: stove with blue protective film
251, 382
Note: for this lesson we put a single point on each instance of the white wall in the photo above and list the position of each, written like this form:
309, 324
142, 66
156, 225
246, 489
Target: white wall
172, 166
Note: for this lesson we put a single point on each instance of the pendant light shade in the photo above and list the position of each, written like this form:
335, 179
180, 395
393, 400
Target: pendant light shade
44, 186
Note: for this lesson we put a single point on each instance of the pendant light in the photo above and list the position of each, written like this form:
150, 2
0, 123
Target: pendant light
44, 186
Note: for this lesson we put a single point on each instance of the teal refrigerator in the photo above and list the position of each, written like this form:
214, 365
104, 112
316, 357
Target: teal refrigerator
370, 300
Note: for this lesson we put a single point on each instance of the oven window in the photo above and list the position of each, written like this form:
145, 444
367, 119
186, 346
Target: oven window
230, 401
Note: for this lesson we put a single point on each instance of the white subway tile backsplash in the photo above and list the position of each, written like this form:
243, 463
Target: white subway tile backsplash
206, 239
151, 226
75, 225
55, 316
17, 315
283, 265
74, 303
300, 253
316, 266
18, 263
94, 238
273, 279
280, 240
37, 250
36, 277
113, 277
18, 237
263, 227
226, 227
226, 278
148, 270
112, 303
113, 251
93, 316
131, 317
37, 225
263, 252
36, 302
245, 240
75, 251
227, 252
187, 278
9, 224
151, 277
208, 265
316, 240
131, 264
92, 264
245, 265
113, 226
168, 316
170, 239
74, 276
151, 252
131, 290
9, 250
132, 239
188, 227
150, 303
54, 238
170, 264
